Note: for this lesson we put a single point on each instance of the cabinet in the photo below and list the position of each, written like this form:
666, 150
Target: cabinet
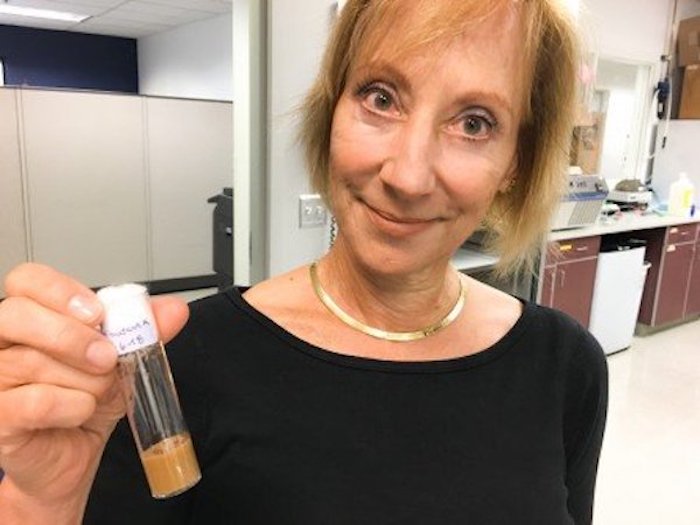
569, 275
671, 291
693, 299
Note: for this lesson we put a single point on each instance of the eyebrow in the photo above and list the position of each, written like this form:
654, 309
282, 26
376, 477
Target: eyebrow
377, 67
469, 98
492, 97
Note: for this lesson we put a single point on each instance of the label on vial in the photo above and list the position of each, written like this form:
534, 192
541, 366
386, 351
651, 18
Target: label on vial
131, 336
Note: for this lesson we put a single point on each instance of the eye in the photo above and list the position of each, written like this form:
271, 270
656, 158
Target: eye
477, 127
378, 99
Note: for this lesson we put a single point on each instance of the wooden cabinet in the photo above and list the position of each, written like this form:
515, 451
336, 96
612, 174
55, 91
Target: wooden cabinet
672, 289
692, 306
569, 276
673, 284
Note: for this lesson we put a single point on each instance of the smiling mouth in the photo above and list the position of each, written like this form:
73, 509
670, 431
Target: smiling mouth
399, 220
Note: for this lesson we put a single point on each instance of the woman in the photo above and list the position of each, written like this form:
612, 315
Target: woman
378, 385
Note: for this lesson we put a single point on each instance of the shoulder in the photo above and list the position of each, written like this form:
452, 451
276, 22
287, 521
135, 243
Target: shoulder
563, 329
280, 292
580, 355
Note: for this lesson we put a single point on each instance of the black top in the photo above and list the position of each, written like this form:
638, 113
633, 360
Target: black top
289, 433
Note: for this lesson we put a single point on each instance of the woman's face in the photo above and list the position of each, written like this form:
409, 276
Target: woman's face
419, 147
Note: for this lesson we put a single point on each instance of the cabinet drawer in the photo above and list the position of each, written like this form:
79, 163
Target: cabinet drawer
572, 249
681, 233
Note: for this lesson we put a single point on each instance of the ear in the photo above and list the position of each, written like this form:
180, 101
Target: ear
510, 178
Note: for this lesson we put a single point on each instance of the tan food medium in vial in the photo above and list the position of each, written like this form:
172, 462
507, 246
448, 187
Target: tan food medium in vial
171, 466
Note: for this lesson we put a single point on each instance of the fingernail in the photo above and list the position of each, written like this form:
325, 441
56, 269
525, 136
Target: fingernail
84, 308
101, 354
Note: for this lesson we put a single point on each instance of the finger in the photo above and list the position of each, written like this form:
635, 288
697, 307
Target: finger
171, 314
22, 365
37, 407
55, 291
27, 323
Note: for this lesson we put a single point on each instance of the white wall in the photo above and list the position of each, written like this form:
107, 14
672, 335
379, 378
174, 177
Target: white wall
191, 61
297, 35
631, 29
688, 8
680, 154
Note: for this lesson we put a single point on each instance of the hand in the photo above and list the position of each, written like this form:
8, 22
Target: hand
59, 395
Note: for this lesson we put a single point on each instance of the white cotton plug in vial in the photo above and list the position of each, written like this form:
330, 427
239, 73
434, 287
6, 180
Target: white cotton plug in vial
152, 405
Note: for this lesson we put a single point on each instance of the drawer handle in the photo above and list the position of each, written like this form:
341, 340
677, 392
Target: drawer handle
674, 230
582, 249
671, 248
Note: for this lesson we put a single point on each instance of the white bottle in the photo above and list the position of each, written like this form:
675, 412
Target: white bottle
680, 197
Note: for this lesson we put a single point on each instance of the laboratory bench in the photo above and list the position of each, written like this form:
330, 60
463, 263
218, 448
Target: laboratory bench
671, 292
569, 263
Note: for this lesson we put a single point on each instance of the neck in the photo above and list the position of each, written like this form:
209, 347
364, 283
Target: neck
385, 298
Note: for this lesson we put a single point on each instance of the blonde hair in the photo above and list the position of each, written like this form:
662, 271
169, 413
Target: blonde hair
518, 220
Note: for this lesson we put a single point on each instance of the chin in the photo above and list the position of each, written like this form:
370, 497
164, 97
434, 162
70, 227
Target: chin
398, 258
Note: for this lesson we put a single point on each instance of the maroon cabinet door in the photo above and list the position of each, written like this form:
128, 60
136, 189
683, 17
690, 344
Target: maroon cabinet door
573, 288
693, 304
547, 297
673, 284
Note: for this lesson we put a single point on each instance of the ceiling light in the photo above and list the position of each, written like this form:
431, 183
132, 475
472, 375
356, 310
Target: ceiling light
7, 9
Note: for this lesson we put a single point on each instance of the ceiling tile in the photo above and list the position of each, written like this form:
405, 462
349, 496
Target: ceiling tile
132, 17
211, 6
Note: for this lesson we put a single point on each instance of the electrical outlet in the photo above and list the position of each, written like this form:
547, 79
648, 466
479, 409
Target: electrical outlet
312, 212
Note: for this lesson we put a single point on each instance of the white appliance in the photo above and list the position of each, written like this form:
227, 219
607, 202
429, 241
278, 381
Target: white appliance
617, 293
581, 205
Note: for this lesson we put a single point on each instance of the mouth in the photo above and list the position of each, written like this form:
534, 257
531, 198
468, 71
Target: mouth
398, 225
395, 218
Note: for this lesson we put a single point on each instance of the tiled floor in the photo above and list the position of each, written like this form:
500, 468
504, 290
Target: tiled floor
650, 465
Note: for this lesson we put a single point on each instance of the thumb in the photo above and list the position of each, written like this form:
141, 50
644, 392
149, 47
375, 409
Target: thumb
171, 314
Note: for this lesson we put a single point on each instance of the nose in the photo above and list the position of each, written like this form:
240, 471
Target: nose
409, 170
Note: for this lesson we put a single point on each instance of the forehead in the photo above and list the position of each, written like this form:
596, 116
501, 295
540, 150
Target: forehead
424, 35
397, 28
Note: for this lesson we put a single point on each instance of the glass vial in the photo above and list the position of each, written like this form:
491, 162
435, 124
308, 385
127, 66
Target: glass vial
152, 405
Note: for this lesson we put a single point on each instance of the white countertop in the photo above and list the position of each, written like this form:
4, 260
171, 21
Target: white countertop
471, 259
626, 222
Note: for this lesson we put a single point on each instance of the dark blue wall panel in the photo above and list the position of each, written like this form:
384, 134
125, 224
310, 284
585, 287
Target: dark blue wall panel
44, 58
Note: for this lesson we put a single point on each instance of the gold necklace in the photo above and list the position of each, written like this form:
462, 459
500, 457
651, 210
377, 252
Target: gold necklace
329, 303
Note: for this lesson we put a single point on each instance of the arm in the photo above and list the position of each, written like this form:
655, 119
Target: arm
584, 424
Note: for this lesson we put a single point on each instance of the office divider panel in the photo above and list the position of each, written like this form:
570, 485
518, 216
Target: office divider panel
12, 225
190, 158
85, 170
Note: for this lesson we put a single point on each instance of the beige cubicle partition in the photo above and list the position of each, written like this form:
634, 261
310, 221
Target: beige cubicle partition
13, 236
86, 184
113, 187
187, 163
